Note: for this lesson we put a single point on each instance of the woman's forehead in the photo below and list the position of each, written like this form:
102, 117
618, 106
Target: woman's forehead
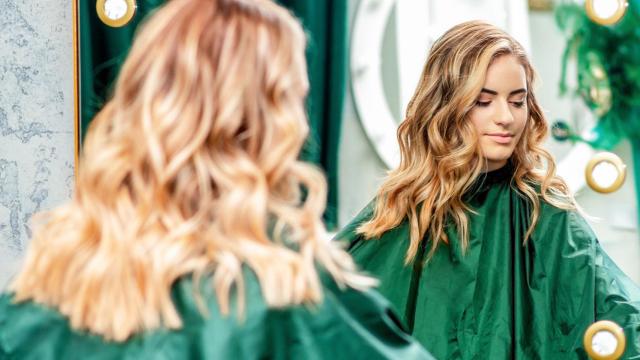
505, 74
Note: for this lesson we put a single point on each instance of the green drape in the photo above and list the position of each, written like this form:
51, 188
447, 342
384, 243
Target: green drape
326, 25
347, 324
502, 298
103, 49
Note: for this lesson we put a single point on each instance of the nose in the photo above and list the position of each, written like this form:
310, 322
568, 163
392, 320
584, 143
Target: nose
503, 116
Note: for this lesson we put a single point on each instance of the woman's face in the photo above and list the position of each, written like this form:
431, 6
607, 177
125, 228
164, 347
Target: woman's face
500, 112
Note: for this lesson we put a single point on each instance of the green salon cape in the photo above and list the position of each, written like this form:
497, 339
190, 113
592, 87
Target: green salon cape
348, 324
503, 300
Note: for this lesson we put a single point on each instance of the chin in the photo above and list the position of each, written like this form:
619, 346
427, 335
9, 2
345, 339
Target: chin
498, 156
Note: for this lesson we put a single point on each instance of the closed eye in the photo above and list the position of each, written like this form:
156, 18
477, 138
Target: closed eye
518, 104
483, 103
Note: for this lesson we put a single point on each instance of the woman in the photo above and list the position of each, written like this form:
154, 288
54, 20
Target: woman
474, 238
188, 236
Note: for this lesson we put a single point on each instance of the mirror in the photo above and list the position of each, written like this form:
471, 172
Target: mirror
390, 42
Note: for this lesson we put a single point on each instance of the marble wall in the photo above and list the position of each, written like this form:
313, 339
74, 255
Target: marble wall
36, 118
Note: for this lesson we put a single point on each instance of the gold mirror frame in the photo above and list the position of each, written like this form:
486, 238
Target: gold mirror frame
622, 9
611, 327
615, 161
76, 89
131, 10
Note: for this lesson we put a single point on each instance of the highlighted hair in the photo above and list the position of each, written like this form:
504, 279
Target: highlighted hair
185, 171
440, 155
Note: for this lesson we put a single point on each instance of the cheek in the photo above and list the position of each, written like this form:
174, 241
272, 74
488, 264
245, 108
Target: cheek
520, 122
477, 119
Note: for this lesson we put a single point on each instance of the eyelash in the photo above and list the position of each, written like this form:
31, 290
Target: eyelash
517, 104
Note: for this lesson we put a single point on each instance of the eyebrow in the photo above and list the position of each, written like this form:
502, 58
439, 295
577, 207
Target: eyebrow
514, 92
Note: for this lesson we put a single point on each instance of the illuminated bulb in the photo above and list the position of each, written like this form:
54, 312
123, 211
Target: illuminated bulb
115, 9
605, 9
604, 343
605, 174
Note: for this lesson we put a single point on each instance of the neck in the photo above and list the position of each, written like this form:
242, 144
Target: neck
494, 165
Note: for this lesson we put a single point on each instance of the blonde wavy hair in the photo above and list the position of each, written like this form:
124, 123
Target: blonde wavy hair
191, 169
440, 153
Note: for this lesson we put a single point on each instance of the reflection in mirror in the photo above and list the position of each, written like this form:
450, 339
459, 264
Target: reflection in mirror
390, 42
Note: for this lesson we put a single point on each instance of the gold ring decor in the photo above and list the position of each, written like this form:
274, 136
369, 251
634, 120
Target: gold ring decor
115, 19
612, 159
614, 331
621, 9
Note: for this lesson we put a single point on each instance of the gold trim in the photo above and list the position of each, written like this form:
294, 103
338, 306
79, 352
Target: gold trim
540, 5
131, 10
76, 93
620, 11
611, 327
615, 161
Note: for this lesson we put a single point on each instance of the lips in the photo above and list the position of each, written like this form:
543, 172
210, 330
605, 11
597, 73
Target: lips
500, 138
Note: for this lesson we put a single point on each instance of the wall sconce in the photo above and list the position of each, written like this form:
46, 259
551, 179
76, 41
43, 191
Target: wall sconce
605, 172
606, 12
604, 340
116, 13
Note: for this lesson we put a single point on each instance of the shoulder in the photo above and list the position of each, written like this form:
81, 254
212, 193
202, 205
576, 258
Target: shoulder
348, 323
571, 218
21, 323
568, 227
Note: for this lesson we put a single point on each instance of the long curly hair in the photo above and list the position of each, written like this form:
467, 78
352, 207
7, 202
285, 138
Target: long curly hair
191, 169
440, 153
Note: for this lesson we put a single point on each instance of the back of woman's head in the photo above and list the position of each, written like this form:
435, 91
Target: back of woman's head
440, 153
191, 168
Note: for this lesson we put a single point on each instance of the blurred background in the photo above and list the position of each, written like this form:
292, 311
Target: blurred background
365, 57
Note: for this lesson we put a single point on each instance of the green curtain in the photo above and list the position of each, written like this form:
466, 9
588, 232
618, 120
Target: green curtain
102, 50
325, 22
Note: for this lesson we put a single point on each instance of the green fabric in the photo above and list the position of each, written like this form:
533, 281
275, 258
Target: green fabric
348, 325
608, 61
325, 23
102, 50
502, 299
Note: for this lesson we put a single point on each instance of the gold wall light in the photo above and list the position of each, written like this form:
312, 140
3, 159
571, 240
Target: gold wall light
116, 13
606, 12
605, 172
604, 340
